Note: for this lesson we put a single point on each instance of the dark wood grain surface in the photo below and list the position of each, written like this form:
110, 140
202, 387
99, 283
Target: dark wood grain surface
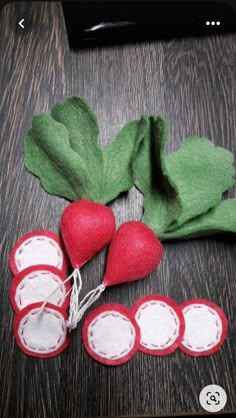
193, 83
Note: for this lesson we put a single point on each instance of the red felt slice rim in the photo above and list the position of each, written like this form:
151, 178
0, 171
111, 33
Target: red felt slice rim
18, 320
123, 310
50, 234
224, 322
41, 267
170, 302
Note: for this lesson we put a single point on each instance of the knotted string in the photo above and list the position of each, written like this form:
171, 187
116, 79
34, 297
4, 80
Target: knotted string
77, 310
86, 302
71, 323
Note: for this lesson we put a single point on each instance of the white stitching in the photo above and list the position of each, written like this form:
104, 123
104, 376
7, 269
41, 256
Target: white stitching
37, 275
41, 349
171, 339
125, 351
218, 333
20, 250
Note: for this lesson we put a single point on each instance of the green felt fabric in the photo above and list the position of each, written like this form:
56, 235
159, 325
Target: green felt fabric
48, 155
63, 151
220, 219
81, 123
117, 162
182, 191
161, 203
181, 185
202, 172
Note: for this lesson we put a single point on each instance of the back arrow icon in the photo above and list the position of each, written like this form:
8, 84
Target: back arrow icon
21, 23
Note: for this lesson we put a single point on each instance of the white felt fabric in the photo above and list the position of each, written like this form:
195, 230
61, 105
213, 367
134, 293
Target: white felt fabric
36, 287
111, 335
159, 325
44, 332
203, 327
39, 250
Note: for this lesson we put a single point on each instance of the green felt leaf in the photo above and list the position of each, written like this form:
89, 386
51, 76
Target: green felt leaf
181, 185
118, 157
161, 203
221, 218
182, 191
202, 172
81, 123
102, 175
48, 155
62, 150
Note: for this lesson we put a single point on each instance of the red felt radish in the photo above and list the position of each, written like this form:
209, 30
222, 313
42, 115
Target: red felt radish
111, 335
41, 334
38, 247
134, 253
86, 228
205, 327
161, 324
35, 283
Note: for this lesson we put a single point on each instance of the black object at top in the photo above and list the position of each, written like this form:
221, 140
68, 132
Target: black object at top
103, 23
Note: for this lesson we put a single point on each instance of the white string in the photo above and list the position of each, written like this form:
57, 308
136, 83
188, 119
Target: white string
77, 309
74, 298
71, 323
88, 300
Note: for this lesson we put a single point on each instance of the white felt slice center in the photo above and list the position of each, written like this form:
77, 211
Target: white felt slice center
203, 327
42, 332
111, 335
37, 286
39, 250
159, 325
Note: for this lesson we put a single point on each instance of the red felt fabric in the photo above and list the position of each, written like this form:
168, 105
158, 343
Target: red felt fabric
86, 228
17, 280
134, 253
172, 304
50, 234
104, 309
22, 314
224, 322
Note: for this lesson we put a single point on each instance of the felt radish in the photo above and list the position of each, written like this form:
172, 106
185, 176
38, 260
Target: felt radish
134, 253
34, 283
205, 327
111, 335
86, 228
161, 324
41, 334
38, 247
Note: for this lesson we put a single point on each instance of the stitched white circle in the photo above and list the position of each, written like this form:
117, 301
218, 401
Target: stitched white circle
44, 332
203, 327
39, 250
111, 335
159, 325
36, 286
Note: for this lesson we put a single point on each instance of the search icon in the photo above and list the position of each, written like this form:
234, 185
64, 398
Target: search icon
213, 398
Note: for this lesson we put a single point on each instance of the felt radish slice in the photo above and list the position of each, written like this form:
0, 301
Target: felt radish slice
134, 253
38, 247
161, 324
35, 283
205, 327
41, 334
86, 228
111, 335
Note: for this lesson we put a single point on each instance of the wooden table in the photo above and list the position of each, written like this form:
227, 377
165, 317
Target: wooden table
193, 83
